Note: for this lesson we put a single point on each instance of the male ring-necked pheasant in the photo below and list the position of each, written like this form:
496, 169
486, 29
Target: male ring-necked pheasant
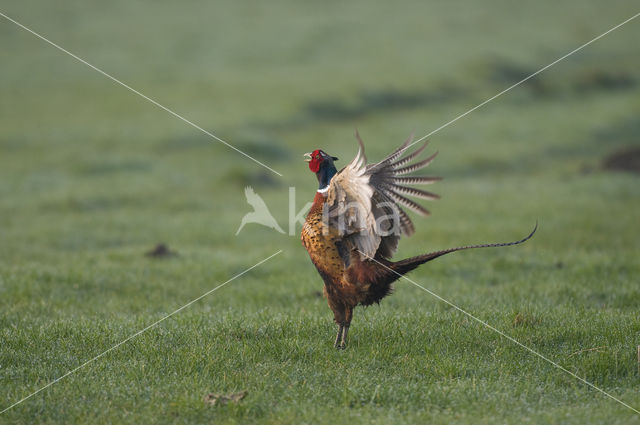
355, 223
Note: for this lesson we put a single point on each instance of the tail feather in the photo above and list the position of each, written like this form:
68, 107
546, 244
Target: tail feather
400, 268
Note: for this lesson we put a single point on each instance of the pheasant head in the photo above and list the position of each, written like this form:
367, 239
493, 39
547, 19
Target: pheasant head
321, 164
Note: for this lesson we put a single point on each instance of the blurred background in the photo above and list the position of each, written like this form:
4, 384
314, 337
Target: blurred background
88, 166
93, 177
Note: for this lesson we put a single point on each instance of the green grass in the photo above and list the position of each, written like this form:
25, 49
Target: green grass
92, 177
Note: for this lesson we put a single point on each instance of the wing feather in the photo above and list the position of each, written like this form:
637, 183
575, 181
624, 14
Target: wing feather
422, 194
414, 206
364, 201
416, 180
407, 159
417, 166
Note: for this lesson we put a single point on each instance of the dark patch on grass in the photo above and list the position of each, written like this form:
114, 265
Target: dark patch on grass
506, 73
606, 80
624, 159
339, 110
214, 399
161, 250
367, 102
577, 81
374, 101
330, 110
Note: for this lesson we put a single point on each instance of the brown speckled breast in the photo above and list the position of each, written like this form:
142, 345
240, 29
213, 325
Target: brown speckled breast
322, 247
344, 286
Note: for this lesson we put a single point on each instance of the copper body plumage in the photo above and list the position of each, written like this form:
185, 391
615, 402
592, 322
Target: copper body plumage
355, 222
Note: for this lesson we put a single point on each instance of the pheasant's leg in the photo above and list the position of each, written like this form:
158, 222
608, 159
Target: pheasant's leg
347, 323
339, 337
338, 315
343, 342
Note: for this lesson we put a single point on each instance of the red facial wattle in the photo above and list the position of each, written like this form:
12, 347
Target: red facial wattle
314, 165
316, 160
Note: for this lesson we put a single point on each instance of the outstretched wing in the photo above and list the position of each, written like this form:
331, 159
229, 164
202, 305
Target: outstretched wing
364, 201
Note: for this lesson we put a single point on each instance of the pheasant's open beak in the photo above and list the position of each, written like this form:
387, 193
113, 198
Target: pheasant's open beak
307, 157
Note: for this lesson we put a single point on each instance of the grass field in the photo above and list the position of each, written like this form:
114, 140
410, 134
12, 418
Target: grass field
93, 176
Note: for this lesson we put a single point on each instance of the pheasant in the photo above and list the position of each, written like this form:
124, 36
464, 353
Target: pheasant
355, 222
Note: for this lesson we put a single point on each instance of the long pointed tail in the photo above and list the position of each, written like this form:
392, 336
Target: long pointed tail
405, 266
